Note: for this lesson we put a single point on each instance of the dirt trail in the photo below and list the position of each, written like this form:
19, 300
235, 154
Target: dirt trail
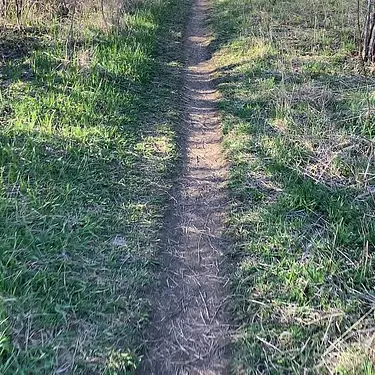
190, 331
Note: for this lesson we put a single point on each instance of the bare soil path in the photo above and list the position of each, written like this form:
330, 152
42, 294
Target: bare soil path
190, 330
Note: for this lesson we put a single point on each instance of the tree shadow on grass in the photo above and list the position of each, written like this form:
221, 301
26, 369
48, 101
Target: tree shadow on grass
18, 44
299, 239
84, 159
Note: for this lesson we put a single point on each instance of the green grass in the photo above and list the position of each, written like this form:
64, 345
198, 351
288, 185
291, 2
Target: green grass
299, 130
86, 153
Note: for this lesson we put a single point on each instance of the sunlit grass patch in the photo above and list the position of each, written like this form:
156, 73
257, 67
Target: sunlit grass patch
298, 127
85, 169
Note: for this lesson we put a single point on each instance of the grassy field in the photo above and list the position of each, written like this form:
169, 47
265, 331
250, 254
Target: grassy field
86, 152
299, 122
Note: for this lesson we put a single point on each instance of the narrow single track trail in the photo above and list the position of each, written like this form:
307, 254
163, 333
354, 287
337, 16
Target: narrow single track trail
190, 328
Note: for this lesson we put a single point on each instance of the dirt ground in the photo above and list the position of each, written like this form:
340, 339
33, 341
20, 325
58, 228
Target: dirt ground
190, 331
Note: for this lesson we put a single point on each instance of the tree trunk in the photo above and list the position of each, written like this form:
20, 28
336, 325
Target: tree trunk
103, 14
4, 8
368, 50
19, 6
69, 45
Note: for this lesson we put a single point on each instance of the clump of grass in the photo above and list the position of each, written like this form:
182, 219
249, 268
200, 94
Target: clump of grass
87, 147
299, 131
